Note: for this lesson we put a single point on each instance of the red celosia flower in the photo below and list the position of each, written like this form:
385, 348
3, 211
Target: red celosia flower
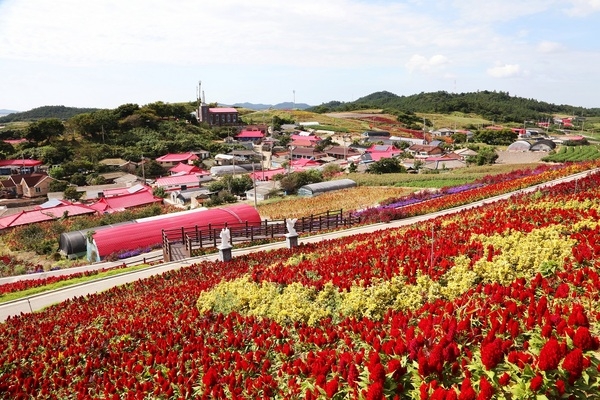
583, 339
466, 391
375, 391
578, 317
331, 387
536, 383
491, 354
550, 355
504, 379
573, 364
560, 387
486, 390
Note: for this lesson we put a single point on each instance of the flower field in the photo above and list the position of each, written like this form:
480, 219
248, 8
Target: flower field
497, 302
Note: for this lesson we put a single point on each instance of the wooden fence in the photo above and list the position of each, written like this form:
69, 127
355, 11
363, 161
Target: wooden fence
185, 241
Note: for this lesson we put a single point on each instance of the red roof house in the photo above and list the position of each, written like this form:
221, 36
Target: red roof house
65, 209
247, 136
123, 202
187, 169
171, 159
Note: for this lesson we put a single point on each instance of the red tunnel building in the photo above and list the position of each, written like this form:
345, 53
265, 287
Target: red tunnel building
148, 233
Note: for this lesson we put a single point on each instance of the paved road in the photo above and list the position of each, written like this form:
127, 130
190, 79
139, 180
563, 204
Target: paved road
40, 301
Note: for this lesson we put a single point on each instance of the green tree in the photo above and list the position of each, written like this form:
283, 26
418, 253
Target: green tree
502, 137
485, 155
45, 130
71, 193
386, 166
459, 137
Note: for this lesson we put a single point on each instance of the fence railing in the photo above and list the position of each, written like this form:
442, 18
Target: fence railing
183, 242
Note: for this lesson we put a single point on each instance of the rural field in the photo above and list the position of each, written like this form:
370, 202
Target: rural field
495, 302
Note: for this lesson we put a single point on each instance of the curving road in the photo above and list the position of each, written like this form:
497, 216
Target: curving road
40, 301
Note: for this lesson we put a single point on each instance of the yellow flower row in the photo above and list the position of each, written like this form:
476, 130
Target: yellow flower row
520, 255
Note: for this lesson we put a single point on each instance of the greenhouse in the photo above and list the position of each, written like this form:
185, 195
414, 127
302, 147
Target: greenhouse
519, 145
315, 189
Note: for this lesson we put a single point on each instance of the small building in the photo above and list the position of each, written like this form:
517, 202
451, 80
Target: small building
182, 168
424, 151
26, 185
186, 197
545, 145
217, 116
261, 193
45, 212
172, 159
19, 166
119, 164
108, 205
341, 152
181, 181
222, 170
375, 134
250, 136
315, 189
376, 152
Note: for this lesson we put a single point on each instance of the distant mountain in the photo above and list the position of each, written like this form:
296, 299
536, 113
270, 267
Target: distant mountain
4, 112
280, 106
493, 105
60, 112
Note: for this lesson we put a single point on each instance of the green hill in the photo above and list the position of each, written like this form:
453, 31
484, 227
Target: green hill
492, 105
60, 112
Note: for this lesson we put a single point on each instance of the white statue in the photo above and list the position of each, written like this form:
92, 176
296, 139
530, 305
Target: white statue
225, 237
290, 222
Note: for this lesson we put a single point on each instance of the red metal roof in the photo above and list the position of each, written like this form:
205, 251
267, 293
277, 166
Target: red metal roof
187, 179
174, 157
125, 201
48, 214
149, 233
20, 163
190, 169
250, 134
222, 110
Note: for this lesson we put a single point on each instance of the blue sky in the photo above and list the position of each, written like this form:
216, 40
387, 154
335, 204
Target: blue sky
105, 53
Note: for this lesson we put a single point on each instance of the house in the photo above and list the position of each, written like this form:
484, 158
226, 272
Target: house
250, 136
181, 182
112, 192
120, 164
443, 162
187, 169
424, 151
305, 152
409, 140
46, 212
376, 152
108, 205
465, 153
185, 197
375, 134
26, 185
260, 193
172, 159
341, 152
19, 166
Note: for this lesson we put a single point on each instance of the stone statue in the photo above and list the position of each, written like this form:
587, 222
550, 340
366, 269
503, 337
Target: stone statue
225, 237
290, 222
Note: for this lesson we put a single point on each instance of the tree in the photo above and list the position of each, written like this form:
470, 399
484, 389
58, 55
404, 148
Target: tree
71, 193
459, 137
485, 155
331, 170
502, 137
386, 166
290, 183
45, 130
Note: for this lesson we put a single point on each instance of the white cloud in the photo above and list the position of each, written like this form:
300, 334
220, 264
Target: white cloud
550, 47
420, 63
505, 71
583, 8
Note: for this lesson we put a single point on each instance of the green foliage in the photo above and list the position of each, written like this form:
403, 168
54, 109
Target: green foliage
159, 192
574, 154
57, 185
290, 183
492, 105
71, 193
45, 129
495, 137
386, 166
59, 112
485, 155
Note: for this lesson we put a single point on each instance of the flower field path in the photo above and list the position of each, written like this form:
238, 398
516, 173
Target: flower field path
43, 300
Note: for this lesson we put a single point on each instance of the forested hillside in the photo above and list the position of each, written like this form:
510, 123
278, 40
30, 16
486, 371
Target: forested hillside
495, 106
60, 112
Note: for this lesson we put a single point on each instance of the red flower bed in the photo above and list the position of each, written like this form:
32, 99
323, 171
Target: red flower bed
147, 339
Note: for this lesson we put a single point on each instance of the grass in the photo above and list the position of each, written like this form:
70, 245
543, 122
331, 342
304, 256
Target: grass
460, 120
68, 282
449, 178
574, 154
